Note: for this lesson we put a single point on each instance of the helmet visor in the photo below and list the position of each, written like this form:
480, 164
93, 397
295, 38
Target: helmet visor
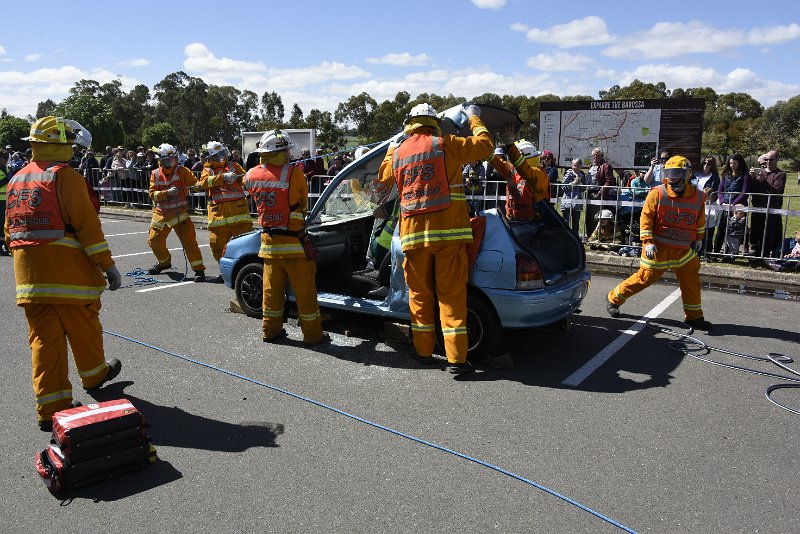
674, 174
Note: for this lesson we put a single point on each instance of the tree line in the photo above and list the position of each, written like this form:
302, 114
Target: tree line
188, 112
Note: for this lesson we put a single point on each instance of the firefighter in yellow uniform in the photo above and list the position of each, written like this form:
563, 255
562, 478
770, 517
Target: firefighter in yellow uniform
672, 225
169, 186
228, 213
435, 227
60, 254
280, 192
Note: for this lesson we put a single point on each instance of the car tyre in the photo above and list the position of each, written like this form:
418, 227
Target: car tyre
249, 288
483, 330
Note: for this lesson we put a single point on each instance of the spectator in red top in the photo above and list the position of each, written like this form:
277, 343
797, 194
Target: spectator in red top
601, 176
309, 167
766, 231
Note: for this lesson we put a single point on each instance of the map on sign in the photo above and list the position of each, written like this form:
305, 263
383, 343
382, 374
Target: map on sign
629, 132
628, 137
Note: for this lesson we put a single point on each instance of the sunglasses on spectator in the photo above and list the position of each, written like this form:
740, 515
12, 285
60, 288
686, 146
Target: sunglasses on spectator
768, 159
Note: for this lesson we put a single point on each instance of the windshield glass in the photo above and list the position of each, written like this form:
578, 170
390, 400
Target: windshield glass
354, 196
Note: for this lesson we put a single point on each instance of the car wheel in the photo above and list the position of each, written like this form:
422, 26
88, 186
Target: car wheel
483, 330
249, 288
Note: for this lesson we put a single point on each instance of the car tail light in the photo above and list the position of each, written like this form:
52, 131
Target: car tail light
529, 274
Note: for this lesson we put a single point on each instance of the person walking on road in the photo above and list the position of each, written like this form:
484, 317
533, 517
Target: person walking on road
280, 191
228, 212
435, 227
673, 226
60, 254
169, 185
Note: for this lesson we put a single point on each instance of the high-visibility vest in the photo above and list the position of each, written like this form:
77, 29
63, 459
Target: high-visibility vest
519, 208
33, 214
676, 218
161, 182
225, 192
269, 187
418, 167
387, 232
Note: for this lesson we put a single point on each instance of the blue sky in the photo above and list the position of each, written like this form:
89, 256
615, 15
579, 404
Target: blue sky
318, 53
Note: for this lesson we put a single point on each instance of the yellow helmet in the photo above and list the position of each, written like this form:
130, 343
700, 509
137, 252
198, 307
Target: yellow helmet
676, 169
51, 129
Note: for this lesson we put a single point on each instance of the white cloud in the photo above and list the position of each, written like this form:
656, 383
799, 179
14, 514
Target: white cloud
2, 51
33, 57
738, 80
560, 61
489, 4
401, 60
591, 30
140, 62
200, 59
519, 27
670, 39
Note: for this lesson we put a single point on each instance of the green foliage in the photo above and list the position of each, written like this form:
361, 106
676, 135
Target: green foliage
12, 130
159, 133
186, 111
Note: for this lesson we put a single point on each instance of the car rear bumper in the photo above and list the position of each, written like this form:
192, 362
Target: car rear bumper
529, 309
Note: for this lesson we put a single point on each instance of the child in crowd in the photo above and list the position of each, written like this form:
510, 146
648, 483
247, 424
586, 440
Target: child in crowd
736, 228
606, 234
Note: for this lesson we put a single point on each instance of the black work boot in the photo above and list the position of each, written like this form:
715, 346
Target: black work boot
699, 324
611, 308
459, 369
158, 268
114, 367
199, 276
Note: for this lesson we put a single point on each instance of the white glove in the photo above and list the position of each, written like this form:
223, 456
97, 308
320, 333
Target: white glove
229, 177
172, 191
471, 110
697, 245
650, 251
114, 278
508, 134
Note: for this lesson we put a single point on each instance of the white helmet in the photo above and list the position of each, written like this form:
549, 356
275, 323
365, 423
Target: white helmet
215, 148
274, 141
82, 135
527, 149
606, 214
166, 150
360, 151
421, 110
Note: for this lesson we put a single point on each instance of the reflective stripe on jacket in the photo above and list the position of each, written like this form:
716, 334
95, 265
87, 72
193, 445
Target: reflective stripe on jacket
34, 216
225, 192
676, 218
419, 170
161, 182
269, 187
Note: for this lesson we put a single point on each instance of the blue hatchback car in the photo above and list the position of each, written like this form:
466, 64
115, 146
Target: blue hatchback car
512, 284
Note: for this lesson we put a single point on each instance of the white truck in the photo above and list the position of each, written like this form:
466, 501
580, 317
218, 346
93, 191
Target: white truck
302, 137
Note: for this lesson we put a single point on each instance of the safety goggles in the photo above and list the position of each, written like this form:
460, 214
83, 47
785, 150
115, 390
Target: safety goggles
166, 161
218, 157
674, 174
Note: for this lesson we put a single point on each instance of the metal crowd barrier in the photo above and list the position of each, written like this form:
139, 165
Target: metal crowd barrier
131, 190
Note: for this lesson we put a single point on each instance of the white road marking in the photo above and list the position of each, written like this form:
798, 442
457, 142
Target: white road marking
164, 286
150, 252
129, 233
612, 348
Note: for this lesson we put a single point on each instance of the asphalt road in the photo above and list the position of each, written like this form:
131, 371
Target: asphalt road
655, 440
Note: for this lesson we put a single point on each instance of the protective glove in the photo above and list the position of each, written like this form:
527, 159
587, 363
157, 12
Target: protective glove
650, 251
471, 110
229, 177
508, 134
697, 245
114, 278
172, 191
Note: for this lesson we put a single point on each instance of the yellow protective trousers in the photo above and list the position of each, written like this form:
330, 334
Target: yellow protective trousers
50, 326
157, 239
226, 220
301, 273
438, 272
686, 266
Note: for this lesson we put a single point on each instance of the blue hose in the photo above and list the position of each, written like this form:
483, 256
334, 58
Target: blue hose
381, 427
